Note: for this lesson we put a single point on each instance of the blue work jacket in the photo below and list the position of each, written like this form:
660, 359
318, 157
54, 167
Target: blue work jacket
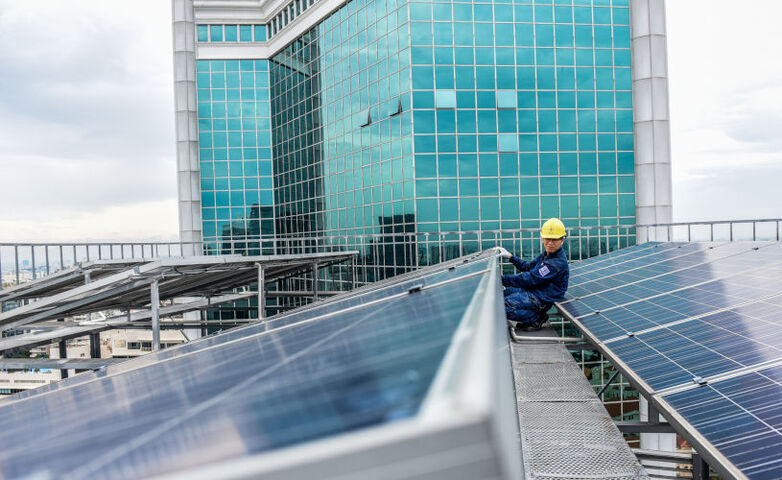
546, 276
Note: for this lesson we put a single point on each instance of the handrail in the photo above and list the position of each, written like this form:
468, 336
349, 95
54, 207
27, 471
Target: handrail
406, 250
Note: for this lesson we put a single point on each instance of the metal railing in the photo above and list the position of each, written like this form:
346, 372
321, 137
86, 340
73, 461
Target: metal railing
382, 254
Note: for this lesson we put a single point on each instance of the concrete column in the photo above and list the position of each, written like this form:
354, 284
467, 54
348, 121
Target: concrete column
63, 353
95, 345
653, 199
185, 105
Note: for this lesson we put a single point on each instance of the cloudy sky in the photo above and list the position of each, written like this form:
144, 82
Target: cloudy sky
86, 116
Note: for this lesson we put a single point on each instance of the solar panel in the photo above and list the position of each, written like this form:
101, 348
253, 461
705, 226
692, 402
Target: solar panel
685, 324
618, 256
740, 416
643, 282
346, 366
440, 273
582, 276
702, 347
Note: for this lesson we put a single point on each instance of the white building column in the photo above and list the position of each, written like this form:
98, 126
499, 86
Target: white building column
653, 198
185, 104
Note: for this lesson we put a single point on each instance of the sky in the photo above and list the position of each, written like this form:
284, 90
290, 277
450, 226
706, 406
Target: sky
87, 149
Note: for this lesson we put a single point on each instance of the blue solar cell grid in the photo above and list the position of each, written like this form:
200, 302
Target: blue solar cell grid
425, 278
649, 261
721, 262
308, 380
682, 304
742, 417
618, 256
708, 346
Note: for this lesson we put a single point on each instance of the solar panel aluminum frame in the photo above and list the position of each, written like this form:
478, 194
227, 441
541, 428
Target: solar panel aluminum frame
466, 428
716, 460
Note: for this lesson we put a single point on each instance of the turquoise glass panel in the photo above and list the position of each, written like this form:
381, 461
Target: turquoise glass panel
259, 32
231, 33
245, 33
216, 33
203, 33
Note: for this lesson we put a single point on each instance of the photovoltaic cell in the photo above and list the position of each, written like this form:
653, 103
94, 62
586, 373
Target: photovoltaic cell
425, 278
687, 253
721, 262
368, 366
682, 304
709, 346
740, 416
619, 256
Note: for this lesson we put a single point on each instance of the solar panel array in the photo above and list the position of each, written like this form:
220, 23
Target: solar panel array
698, 328
362, 360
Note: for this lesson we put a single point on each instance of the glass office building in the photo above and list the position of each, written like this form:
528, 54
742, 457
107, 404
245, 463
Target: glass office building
385, 124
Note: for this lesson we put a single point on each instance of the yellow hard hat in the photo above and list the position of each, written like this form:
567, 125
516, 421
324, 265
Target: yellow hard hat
553, 228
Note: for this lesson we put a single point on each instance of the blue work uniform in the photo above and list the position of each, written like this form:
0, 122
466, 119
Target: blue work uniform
542, 282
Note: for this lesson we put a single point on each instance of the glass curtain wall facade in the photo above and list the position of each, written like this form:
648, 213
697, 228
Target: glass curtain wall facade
391, 122
342, 132
234, 125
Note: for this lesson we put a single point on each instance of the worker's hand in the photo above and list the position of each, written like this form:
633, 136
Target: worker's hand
504, 253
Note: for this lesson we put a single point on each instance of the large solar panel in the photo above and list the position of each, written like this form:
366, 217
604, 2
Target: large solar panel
366, 361
698, 329
370, 293
742, 417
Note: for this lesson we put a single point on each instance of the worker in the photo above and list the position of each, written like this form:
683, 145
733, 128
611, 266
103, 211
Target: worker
543, 281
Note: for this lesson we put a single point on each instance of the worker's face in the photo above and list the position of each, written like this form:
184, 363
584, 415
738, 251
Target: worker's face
552, 244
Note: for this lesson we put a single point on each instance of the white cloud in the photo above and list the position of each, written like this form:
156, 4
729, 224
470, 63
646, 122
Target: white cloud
725, 77
86, 115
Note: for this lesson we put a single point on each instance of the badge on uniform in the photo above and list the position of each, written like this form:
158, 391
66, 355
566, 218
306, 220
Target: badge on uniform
544, 271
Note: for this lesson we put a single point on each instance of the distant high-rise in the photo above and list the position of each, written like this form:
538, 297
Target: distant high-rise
320, 118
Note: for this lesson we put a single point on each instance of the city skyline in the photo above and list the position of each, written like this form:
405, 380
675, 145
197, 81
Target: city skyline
80, 146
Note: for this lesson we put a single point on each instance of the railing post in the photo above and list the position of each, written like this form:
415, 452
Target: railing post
155, 309
315, 282
731, 231
711, 225
46, 250
689, 233
32, 257
754, 238
261, 292
16, 260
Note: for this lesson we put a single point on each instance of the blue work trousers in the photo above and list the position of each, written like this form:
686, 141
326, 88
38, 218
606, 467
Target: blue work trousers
522, 306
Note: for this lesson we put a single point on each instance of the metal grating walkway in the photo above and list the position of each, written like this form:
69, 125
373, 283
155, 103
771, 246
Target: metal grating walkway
566, 432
